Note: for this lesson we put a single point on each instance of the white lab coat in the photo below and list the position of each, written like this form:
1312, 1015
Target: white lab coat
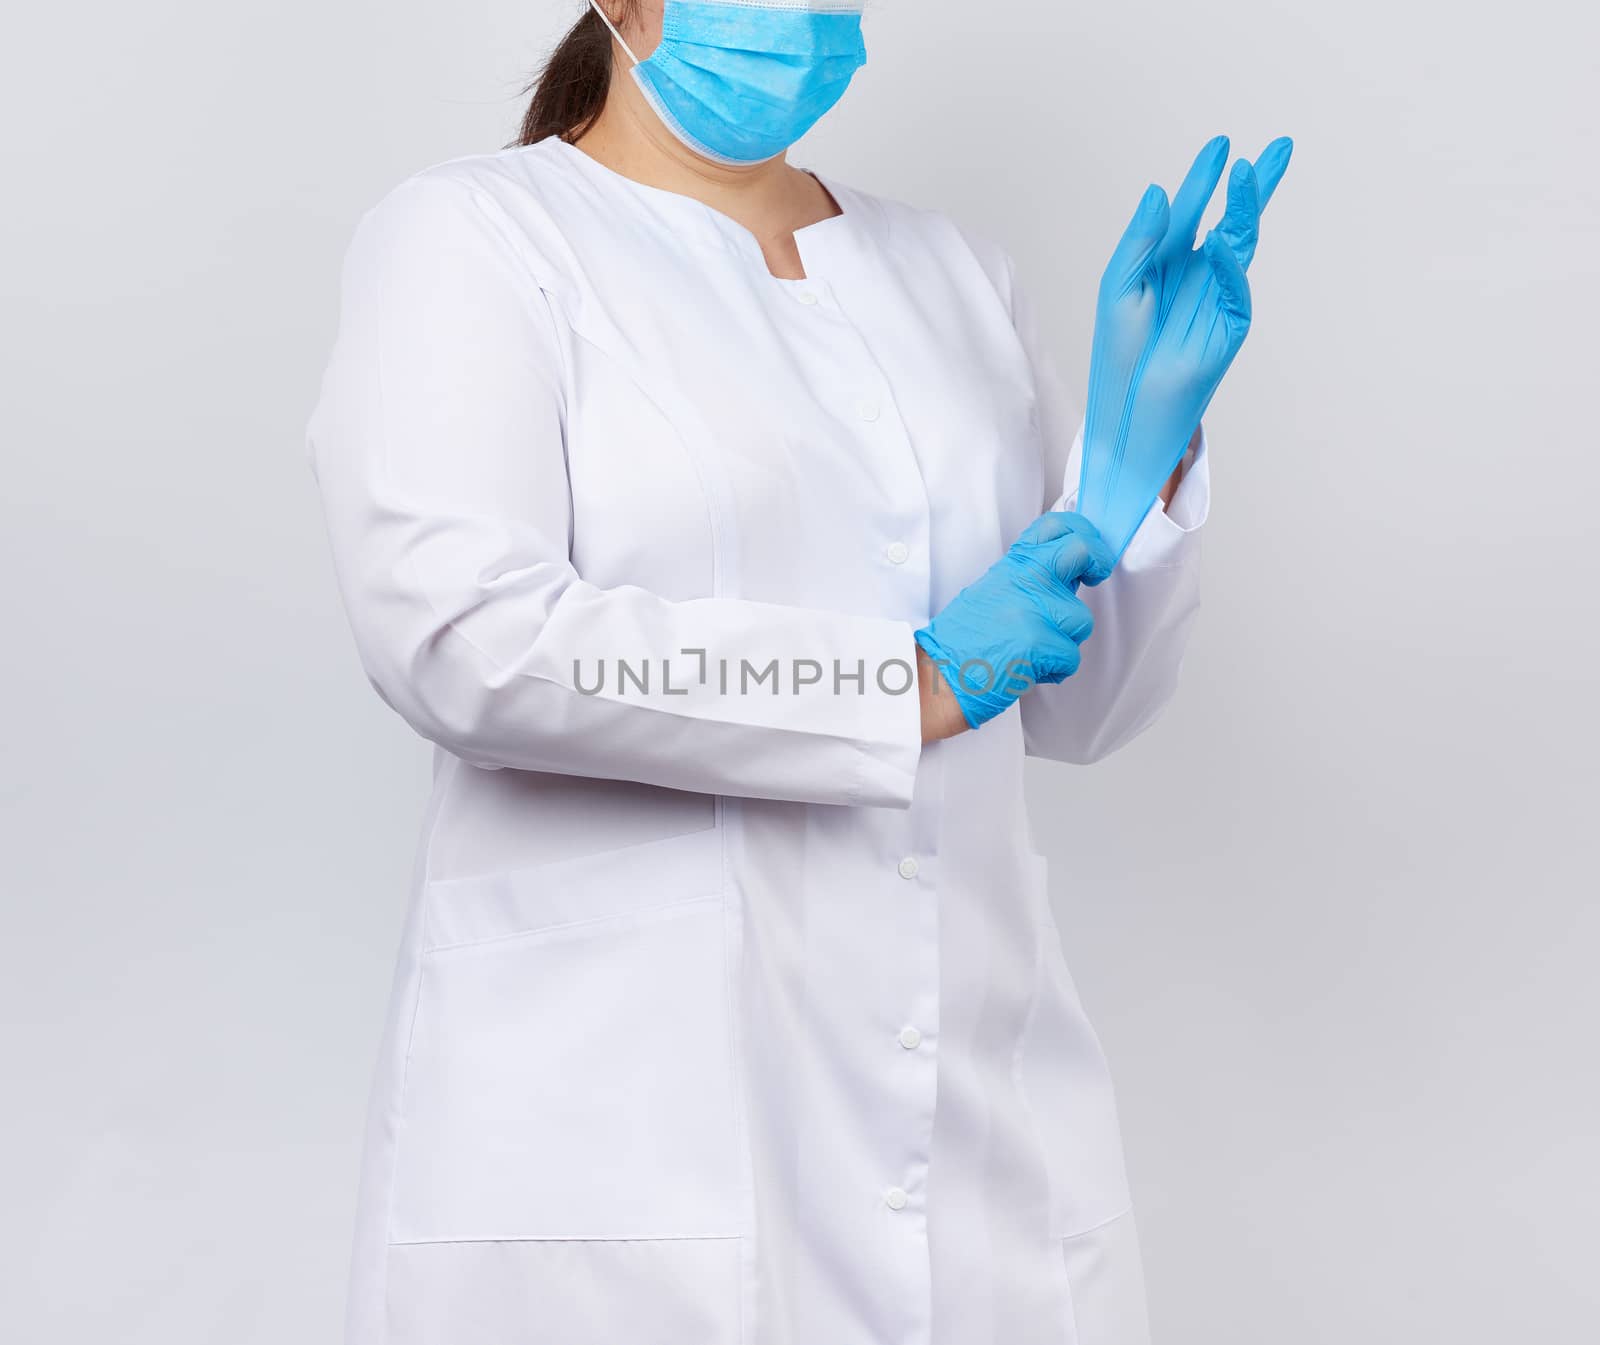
723, 1017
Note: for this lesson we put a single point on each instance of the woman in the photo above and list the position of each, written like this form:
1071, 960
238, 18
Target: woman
709, 516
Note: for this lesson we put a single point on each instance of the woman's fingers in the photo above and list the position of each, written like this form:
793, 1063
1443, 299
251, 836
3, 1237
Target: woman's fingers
1196, 192
1272, 165
1243, 217
1139, 241
1233, 289
1070, 615
1079, 554
1240, 225
1071, 547
1078, 560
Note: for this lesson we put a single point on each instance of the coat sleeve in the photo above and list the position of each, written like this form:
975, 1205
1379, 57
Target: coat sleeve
1143, 614
438, 447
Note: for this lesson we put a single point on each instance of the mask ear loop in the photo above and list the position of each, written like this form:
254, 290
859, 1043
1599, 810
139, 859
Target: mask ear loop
606, 19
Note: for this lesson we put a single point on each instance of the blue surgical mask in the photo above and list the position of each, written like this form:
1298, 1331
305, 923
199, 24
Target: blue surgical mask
739, 81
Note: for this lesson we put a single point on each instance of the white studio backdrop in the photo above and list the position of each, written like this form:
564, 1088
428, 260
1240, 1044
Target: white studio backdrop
1335, 915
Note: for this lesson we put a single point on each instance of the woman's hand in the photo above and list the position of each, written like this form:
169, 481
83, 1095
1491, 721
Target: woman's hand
1020, 623
1171, 318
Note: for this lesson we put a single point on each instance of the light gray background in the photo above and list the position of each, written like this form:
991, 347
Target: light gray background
1335, 916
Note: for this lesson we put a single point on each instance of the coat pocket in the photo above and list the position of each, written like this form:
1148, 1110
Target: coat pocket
1105, 1274
570, 1067
629, 880
1068, 1085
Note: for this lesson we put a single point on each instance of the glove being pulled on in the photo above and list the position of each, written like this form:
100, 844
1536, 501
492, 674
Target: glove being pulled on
1169, 321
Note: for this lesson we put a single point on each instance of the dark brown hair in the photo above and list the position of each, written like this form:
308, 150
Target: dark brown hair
572, 87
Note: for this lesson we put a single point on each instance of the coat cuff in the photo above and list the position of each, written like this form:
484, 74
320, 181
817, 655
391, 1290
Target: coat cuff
1191, 501
1166, 532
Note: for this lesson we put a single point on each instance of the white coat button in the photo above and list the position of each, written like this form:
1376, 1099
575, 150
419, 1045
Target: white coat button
910, 1038
908, 867
807, 297
895, 1198
897, 552
870, 411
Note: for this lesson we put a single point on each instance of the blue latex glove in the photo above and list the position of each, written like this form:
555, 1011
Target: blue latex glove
1171, 317
1022, 622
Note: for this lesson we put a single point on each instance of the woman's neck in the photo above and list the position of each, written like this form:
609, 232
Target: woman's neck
769, 199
